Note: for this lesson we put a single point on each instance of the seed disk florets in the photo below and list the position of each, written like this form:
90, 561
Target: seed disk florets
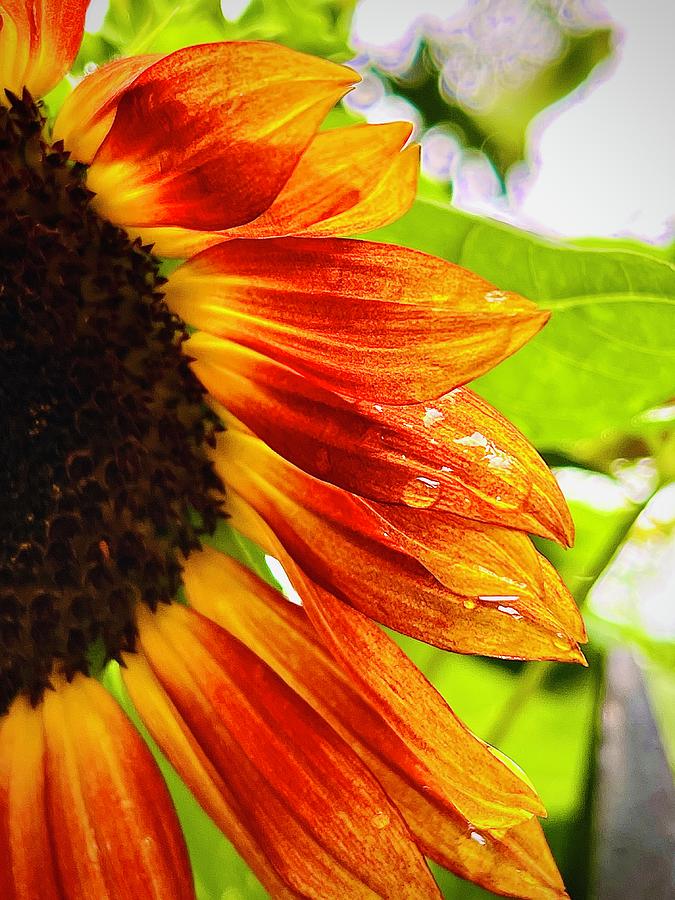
104, 476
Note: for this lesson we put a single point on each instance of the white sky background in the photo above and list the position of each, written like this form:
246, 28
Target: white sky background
600, 162
604, 157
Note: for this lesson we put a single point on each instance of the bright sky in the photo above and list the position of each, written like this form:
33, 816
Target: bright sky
605, 156
600, 162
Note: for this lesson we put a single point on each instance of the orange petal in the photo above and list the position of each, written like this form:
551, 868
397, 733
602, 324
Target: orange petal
337, 176
515, 863
39, 40
206, 137
557, 597
313, 806
345, 546
88, 112
171, 733
27, 869
370, 321
518, 862
456, 454
387, 199
405, 699
112, 823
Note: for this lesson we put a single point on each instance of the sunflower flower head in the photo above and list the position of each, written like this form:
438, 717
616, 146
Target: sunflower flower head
289, 384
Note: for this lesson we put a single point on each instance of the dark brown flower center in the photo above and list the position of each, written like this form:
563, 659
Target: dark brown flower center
104, 478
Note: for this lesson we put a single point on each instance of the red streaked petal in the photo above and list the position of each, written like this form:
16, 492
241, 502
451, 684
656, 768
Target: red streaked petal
389, 200
515, 863
339, 175
27, 869
88, 112
343, 545
518, 862
112, 823
39, 40
411, 706
169, 730
404, 698
206, 137
370, 321
456, 454
485, 561
304, 794
386, 202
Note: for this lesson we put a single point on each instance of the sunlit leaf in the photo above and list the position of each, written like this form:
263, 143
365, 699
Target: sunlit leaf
607, 353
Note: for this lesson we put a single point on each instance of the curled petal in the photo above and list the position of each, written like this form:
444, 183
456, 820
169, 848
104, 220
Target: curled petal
39, 40
370, 321
348, 548
88, 112
455, 454
346, 180
97, 799
517, 862
311, 804
368, 186
206, 137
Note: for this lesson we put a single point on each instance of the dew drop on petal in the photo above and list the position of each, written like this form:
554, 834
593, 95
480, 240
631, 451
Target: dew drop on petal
478, 838
495, 296
432, 416
510, 611
421, 492
380, 820
469, 604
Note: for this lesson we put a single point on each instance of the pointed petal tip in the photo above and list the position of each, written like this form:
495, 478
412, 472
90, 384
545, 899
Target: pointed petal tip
550, 511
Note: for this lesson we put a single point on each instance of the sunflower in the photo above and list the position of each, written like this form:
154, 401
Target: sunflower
288, 384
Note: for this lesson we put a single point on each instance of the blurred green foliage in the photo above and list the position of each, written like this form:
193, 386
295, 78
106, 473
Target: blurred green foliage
160, 26
500, 131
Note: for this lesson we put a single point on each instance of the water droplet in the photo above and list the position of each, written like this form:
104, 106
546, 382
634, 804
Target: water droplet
473, 440
495, 296
381, 820
561, 643
499, 598
432, 416
510, 611
421, 492
478, 838
469, 604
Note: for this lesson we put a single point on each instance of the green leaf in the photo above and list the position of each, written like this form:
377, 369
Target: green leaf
606, 355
